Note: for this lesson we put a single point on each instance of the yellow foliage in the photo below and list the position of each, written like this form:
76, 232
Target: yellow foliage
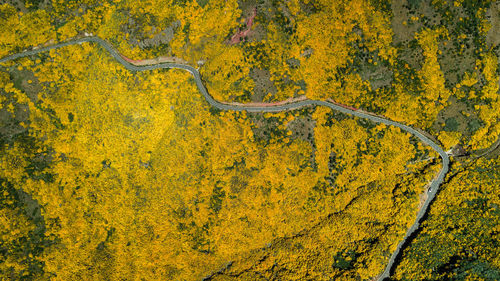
449, 139
143, 180
461, 225
489, 110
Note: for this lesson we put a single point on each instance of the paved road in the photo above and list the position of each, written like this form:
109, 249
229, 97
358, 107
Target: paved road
222, 106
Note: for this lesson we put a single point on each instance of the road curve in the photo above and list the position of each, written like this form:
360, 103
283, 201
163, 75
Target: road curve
276, 108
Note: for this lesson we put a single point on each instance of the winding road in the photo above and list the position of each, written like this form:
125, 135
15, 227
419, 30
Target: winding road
275, 108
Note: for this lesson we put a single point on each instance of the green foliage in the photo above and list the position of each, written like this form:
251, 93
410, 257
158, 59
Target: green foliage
451, 125
344, 260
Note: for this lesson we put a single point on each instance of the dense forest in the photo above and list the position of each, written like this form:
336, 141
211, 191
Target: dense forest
108, 174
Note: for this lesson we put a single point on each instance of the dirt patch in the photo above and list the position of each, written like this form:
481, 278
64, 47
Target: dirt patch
28, 83
258, 31
163, 37
404, 30
493, 16
268, 11
410, 17
31, 207
378, 76
265, 129
263, 84
150, 39
303, 128
422, 198
18, 4
156, 60
457, 117
236, 38
458, 54
454, 65
10, 126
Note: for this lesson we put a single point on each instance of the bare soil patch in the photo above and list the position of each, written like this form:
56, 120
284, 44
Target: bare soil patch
263, 84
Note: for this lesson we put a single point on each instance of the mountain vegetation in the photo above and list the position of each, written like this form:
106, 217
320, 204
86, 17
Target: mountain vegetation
108, 174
